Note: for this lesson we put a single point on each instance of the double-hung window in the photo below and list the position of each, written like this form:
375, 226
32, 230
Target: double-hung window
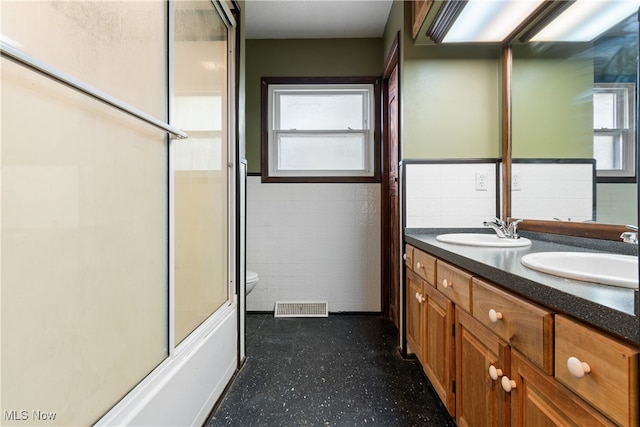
321, 130
614, 139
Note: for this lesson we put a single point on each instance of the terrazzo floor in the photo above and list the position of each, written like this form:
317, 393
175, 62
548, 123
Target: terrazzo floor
343, 370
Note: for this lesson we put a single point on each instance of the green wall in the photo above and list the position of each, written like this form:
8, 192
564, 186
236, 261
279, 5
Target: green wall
451, 108
552, 112
301, 58
617, 203
450, 95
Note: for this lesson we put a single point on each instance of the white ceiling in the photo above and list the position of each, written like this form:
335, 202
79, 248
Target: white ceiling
288, 19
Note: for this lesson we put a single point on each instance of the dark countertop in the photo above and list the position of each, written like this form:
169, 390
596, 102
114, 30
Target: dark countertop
610, 308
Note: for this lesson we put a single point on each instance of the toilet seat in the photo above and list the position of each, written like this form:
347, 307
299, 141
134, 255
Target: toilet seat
251, 277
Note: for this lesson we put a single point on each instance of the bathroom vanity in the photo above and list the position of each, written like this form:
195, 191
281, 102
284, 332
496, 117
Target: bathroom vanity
502, 343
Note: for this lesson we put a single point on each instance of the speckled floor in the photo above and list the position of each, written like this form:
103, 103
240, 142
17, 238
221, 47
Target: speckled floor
343, 370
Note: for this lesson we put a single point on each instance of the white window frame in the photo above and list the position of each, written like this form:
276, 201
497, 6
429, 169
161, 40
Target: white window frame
275, 90
625, 130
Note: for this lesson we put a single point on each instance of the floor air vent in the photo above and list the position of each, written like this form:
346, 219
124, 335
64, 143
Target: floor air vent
301, 309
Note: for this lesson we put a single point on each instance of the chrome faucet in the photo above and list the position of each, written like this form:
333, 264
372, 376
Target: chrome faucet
508, 230
498, 226
630, 236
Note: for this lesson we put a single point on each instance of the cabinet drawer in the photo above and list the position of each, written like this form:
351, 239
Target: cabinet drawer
525, 326
425, 265
612, 383
408, 256
455, 284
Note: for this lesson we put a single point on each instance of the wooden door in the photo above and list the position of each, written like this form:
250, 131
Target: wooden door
480, 401
390, 201
393, 199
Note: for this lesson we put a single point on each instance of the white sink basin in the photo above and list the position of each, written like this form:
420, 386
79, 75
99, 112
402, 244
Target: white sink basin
480, 239
609, 269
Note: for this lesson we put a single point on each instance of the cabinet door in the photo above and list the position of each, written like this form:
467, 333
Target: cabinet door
538, 400
480, 400
415, 323
419, 10
438, 351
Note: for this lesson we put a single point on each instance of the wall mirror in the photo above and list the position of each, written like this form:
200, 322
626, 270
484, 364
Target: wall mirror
577, 100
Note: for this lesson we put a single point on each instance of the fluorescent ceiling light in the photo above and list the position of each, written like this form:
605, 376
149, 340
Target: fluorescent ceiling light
586, 19
489, 20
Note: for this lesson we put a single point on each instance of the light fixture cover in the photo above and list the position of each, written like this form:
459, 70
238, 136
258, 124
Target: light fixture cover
489, 21
585, 20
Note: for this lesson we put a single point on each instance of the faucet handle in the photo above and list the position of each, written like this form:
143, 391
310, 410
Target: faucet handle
630, 236
498, 221
512, 229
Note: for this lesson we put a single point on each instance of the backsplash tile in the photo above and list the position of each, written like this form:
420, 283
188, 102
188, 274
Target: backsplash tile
553, 190
314, 242
444, 195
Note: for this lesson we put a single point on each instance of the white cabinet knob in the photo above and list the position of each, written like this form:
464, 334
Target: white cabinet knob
420, 297
494, 372
577, 368
404, 257
494, 316
418, 265
507, 384
446, 284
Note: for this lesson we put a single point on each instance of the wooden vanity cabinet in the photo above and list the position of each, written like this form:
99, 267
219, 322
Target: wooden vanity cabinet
416, 300
438, 357
430, 322
523, 325
480, 399
424, 266
420, 273
601, 370
537, 400
455, 283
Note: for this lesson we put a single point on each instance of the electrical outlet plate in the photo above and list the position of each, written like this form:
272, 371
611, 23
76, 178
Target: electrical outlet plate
516, 182
481, 181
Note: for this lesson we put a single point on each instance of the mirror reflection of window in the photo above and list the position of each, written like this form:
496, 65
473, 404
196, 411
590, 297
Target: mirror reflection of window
614, 130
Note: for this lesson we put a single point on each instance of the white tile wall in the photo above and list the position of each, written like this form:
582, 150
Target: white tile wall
553, 190
445, 195
310, 242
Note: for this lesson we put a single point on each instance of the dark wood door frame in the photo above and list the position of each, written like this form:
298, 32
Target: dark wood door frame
390, 284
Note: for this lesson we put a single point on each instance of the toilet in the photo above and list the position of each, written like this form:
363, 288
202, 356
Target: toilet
252, 281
